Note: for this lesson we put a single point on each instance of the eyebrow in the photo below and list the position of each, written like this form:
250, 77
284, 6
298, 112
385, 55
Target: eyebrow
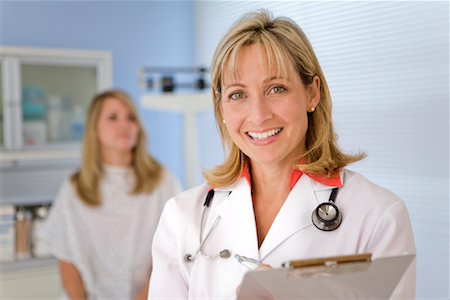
236, 84
275, 78
265, 81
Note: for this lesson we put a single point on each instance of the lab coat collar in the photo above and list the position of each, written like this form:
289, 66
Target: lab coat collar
333, 181
236, 211
322, 183
294, 215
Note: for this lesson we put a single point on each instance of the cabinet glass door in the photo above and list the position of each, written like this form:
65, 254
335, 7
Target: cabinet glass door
55, 99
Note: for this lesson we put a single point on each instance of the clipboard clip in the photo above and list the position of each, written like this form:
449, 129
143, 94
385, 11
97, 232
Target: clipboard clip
331, 261
328, 266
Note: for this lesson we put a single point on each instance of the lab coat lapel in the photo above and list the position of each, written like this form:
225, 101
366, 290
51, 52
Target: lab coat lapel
294, 215
237, 214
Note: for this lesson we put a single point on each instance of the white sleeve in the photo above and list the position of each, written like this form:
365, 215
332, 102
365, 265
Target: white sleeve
393, 235
56, 227
167, 281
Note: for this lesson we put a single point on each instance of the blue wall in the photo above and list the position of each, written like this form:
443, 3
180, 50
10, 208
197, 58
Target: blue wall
154, 33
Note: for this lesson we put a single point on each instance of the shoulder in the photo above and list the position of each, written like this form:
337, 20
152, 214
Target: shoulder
67, 198
66, 190
65, 201
370, 199
184, 208
367, 189
168, 177
168, 185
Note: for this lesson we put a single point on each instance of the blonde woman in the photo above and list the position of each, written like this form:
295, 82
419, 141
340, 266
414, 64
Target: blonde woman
103, 219
273, 108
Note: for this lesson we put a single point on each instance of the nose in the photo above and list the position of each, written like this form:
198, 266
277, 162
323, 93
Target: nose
260, 110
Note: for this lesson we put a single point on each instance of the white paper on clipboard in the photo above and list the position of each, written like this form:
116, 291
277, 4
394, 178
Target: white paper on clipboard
375, 279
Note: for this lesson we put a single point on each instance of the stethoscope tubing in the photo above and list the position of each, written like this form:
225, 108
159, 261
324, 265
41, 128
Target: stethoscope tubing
318, 222
191, 257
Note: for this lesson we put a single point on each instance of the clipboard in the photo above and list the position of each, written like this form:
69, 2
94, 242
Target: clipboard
340, 277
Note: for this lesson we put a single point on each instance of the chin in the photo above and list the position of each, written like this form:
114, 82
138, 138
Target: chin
264, 159
125, 148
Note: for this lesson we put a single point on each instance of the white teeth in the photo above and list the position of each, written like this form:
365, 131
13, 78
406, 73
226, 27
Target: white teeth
264, 135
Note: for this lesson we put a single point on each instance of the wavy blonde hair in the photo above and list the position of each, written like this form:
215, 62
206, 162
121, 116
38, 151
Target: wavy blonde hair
287, 48
86, 180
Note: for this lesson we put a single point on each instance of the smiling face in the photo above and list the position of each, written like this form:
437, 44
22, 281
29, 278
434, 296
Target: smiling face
265, 113
117, 129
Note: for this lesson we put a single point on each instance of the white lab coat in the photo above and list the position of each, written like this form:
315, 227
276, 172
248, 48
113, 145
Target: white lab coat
374, 220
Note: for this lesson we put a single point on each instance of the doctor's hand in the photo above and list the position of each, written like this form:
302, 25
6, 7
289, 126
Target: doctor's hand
263, 267
259, 268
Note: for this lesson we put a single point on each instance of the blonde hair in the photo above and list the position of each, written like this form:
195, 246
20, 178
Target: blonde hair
86, 180
289, 48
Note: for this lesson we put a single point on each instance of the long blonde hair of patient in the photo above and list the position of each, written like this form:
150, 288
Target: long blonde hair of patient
286, 44
86, 180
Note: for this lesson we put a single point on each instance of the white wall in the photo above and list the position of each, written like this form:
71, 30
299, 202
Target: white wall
387, 65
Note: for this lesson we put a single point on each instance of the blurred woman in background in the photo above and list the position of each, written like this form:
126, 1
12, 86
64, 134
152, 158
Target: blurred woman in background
104, 217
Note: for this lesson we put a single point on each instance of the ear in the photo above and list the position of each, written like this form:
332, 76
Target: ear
221, 120
314, 93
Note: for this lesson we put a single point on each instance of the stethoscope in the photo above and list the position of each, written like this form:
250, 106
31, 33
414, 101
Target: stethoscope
225, 253
325, 217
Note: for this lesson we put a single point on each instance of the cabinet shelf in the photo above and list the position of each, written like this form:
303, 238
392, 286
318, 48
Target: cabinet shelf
21, 157
27, 264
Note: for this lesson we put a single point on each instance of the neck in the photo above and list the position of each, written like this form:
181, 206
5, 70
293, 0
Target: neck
117, 158
270, 188
270, 181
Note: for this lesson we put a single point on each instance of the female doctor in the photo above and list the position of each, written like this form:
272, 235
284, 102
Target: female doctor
273, 108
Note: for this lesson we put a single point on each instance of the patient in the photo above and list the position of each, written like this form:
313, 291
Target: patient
102, 221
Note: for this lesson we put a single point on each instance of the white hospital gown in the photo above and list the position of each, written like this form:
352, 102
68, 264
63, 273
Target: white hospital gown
111, 244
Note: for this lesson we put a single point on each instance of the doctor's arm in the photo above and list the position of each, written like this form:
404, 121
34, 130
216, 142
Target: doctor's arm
393, 236
71, 280
166, 280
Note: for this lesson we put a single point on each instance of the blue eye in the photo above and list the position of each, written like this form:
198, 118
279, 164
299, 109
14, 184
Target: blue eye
131, 118
278, 90
236, 96
112, 117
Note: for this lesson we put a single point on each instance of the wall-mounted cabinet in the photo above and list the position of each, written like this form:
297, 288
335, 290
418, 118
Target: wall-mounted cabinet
44, 95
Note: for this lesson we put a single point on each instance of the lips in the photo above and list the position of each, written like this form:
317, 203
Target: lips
259, 136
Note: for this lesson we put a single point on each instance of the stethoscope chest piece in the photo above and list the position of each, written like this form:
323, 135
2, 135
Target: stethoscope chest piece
326, 216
